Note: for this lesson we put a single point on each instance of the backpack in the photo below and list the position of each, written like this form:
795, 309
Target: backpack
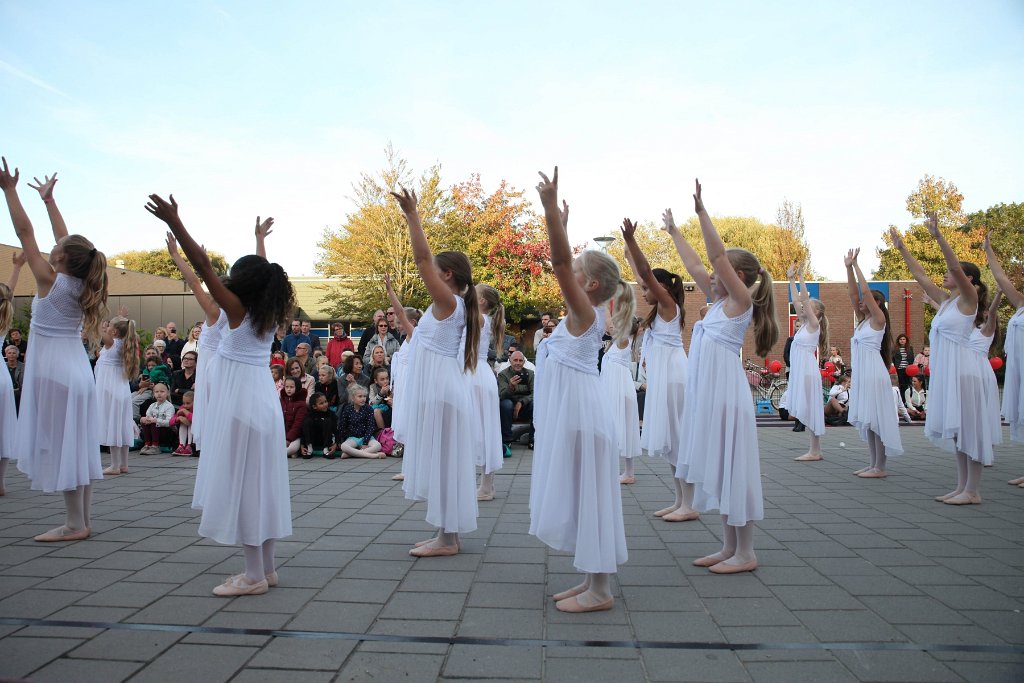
386, 439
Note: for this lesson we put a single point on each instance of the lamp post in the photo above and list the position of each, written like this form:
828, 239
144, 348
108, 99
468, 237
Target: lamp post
603, 242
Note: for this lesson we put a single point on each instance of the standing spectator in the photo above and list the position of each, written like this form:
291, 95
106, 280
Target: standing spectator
275, 346
393, 328
545, 320
15, 339
174, 344
921, 359
292, 340
338, 344
515, 396
306, 329
901, 358
17, 370
370, 330
183, 381
384, 339
193, 340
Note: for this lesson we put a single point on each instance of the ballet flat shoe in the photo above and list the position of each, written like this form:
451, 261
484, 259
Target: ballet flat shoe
1016, 482
873, 475
62, 534
723, 568
573, 605
398, 477
688, 517
272, 579
708, 561
436, 551
807, 457
234, 587
565, 595
627, 480
484, 496
112, 470
963, 499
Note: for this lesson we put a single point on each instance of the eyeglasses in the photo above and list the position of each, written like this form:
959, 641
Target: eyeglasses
172, 329
391, 312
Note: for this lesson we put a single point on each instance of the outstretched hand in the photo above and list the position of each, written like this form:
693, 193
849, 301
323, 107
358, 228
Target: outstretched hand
988, 243
851, 257
932, 223
628, 229
791, 270
565, 215
407, 201
548, 188
45, 187
19, 259
698, 201
897, 238
8, 181
387, 283
122, 311
669, 221
172, 247
165, 211
263, 229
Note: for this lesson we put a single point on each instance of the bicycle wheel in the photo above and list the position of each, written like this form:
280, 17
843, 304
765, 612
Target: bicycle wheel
775, 395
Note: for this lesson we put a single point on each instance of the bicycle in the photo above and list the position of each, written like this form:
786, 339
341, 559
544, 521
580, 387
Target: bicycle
769, 385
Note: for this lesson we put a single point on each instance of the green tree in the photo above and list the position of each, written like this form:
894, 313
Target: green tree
158, 262
939, 195
1004, 224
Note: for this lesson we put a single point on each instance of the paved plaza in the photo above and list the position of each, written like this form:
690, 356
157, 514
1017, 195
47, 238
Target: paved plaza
867, 580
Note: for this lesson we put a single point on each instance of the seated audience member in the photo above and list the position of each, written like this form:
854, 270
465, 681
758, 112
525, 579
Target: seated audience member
174, 343
838, 399
837, 359
337, 345
192, 343
922, 359
17, 370
293, 407
383, 339
182, 381
515, 396
916, 398
165, 357
278, 358
302, 354
327, 385
156, 424
351, 373
160, 333
512, 349
294, 368
15, 339
314, 339
369, 332
356, 426
380, 397
183, 421
318, 429
277, 372
378, 359
393, 327
901, 409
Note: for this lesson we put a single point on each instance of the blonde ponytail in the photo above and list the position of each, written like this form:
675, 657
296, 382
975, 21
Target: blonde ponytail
623, 310
497, 312
6, 309
766, 328
129, 346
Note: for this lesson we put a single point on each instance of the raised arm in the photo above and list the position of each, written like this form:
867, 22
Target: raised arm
810, 318
934, 292
17, 261
967, 303
666, 304
874, 312
739, 294
794, 293
1012, 294
168, 213
580, 313
440, 292
851, 282
205, 301
262, 230
400, 316
45, 190
37, 263
691, 260
992, 321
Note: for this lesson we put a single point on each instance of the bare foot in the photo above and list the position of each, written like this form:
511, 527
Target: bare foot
572, 592
964, 499
665, 511
809, 457
873, 474
711, 560
682, 514
1016, 482
943, 499
627, 480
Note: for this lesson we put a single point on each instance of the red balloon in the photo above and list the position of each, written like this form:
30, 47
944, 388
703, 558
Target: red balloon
775, 366
892, 369
996, 362
830, 366
927, 371
912, 371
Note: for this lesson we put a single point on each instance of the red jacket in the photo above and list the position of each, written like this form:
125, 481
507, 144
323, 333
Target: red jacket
336, 347
294, 409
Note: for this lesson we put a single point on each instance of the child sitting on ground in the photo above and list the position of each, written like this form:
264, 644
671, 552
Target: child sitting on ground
356, 426
380, 397
157, 421
318, 429
183, 419
327, 384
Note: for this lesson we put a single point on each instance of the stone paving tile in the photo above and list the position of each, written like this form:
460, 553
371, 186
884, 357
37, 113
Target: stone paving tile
85, 671
326, 654
902, 667
491, 661
133, 646
22, 656
206, 663
799, 672
251, 675
717, 666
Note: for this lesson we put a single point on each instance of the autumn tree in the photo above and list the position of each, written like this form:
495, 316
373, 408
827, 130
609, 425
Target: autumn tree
158, 262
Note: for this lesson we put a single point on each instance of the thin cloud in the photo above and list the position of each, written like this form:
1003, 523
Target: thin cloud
21, 75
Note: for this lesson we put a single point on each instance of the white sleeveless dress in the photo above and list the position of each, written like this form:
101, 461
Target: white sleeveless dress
209, 340
666, 389
956, 395
803, 394
990, 430
720, 454
8, 411
575, 496
242, 478
483, 391
115, 398
1013, 377
437, 424
871, 407
618, 390
57, 441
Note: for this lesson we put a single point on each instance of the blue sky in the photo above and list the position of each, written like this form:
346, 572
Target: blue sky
252, 108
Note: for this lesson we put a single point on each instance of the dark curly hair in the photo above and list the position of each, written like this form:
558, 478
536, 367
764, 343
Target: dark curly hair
674, 285
263, 289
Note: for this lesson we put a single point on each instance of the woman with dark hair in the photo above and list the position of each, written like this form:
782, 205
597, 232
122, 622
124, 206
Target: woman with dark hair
903, 356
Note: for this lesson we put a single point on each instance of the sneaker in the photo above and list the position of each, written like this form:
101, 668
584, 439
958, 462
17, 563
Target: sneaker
180, 450
186, 449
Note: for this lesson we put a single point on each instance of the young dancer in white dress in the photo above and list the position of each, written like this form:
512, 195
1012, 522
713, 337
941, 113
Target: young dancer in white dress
8, 406
245, 497
213, 327
870, 409
406, 319
57, 439
117, 364
483, 387
618, 389
1013, 345
666, 371
720, 453
437, 414
954, 421
575, 497
803, 394
980, 342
